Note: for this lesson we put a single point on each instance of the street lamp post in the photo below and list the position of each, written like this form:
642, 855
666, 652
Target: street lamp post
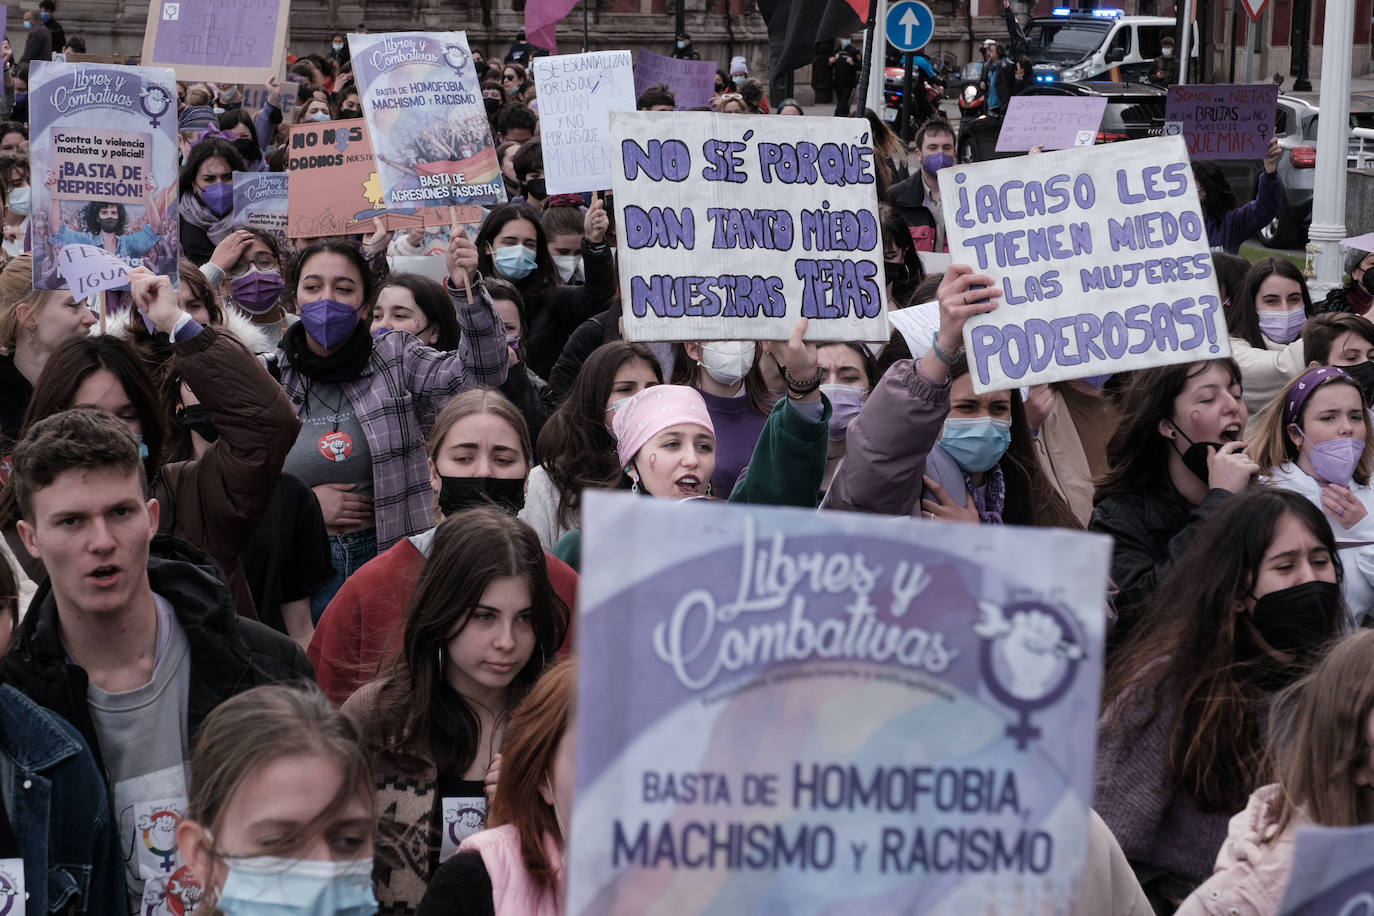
1328, 195
1302, 18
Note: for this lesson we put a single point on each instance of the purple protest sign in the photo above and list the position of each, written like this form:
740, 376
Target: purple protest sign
1222, 121
785, 711
104, 161
1052, 122
226, 41
693, 82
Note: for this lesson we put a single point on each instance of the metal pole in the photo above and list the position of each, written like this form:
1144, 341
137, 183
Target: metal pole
680, 12
585, 42
1302, 17
906, 98
861, 97
1231, 45
1328, 196
1184, 40
1251, 32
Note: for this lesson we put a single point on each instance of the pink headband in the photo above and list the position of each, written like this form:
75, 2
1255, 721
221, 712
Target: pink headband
652, 411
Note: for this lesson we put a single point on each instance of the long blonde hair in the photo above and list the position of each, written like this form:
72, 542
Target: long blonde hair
1271, 445
16, 289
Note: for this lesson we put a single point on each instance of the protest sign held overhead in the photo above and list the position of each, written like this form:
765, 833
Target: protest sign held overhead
1222, 121
260, 202
104, 165
1050, 122
426, 120
227, 41
691, 81
816, 714
732, 227
1102, 258
577, 93
88, 270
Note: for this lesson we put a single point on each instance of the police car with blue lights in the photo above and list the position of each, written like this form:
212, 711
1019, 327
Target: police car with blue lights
1071, 45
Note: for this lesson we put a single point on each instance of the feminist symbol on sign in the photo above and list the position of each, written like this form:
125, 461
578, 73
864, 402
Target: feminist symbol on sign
155, 101
1028, 659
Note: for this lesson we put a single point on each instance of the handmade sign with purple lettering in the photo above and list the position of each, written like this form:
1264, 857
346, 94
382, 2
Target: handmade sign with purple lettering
734, 226
803, 713
577, 93
224, 41
104, 160
1332, 874
1050, 121
692, 82
1102, 258
260, 203
1222, 121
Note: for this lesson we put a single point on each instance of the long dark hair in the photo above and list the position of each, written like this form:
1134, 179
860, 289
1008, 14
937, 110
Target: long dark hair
346, 248
431, 299
1242, 318
1137, 455
472, 549
65, 371
1190, 655
1215, 190
578, 450
209, 148
896, 231
544, 279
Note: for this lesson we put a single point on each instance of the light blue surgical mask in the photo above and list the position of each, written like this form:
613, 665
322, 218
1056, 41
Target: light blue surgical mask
142, 447
272, 886
976, 443
514, 262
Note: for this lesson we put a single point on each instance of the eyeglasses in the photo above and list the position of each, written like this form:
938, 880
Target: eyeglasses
730, 97
262, 261
509, 77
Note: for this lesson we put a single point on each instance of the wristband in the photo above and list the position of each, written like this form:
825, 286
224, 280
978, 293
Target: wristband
946, 358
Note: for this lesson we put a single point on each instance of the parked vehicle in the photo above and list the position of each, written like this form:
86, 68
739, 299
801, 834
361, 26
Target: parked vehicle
1073, 45
894, 75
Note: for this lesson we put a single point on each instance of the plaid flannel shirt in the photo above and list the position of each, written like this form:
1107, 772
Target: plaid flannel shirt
397, 396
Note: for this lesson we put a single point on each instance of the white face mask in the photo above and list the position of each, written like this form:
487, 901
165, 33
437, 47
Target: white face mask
569, 266
727, 361
19, 201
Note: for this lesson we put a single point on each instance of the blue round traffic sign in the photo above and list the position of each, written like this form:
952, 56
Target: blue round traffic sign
909, 25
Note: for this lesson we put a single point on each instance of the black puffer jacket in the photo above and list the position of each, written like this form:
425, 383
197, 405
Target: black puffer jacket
228, 653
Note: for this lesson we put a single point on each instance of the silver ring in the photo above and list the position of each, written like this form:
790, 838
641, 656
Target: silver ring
965, 298
1341, 511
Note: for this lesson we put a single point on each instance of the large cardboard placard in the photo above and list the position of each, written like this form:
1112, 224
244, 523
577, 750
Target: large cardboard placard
1102, 258
426, 120
693, 82
732, 227
577, 93
260, 202
224, 41
819, 713
102, 141
1332, 874
1050, 122
1222, 121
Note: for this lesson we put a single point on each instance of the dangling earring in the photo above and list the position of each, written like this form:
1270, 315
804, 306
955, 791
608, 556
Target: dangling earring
708, 488
634, 486
441, 659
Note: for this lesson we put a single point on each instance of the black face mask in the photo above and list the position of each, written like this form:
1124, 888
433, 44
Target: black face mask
536, 188
247, 147
1296, 621
1195, 457
109, 224
1367, 281
493, 105
350, 113
196, 418
459, 493
1363, 374
895, 272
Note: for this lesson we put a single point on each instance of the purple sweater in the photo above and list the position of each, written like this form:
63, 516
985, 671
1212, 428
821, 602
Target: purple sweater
737, 432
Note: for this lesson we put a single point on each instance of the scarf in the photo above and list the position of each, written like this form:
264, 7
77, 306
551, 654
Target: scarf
991, 497
343, 365
194, 211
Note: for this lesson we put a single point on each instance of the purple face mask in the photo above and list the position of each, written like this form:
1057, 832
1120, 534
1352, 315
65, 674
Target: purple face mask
1096, 381
219, 197
329, 323
1334, 460
1282, 327
256, 292
936, 161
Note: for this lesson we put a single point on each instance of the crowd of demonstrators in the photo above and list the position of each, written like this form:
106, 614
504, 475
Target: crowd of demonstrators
297, 541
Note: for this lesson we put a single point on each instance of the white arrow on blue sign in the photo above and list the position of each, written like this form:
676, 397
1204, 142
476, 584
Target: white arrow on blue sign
909, 25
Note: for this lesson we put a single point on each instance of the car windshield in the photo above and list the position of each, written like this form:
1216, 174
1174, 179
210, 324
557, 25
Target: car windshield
1058, 42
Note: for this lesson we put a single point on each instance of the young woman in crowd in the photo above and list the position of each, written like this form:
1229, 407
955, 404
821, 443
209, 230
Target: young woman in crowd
1323, 777
207, 197
850, 372
480, 627
418, 306
1175, 458
1316, 441
924, 442
1246, 611
577, 446
214, 501
247, 265
239, 122
1356, 294
526, 390
512, 245
666, 444
1266, 329
33, 323
363, 402
517, 864
564, 226
479, 454
1228, 225
727, 374
280, 815
1346, 340
902, 267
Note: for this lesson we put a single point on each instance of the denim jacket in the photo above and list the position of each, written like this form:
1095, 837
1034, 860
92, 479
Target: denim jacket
59, 812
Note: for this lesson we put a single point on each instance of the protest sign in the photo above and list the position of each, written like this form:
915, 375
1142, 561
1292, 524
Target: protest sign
1363, 242
1102, 259
1332, 873
104, 165
260, 202
739, 225
334, 188
1222, 121
693, 82
577, 93
224, 41
426, 120
803, 713
918, 325
88, 270
1050, 121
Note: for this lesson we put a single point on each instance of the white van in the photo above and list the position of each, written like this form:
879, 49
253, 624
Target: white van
1085, 44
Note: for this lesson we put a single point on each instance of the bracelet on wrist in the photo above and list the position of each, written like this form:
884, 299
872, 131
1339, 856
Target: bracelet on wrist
947, 358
